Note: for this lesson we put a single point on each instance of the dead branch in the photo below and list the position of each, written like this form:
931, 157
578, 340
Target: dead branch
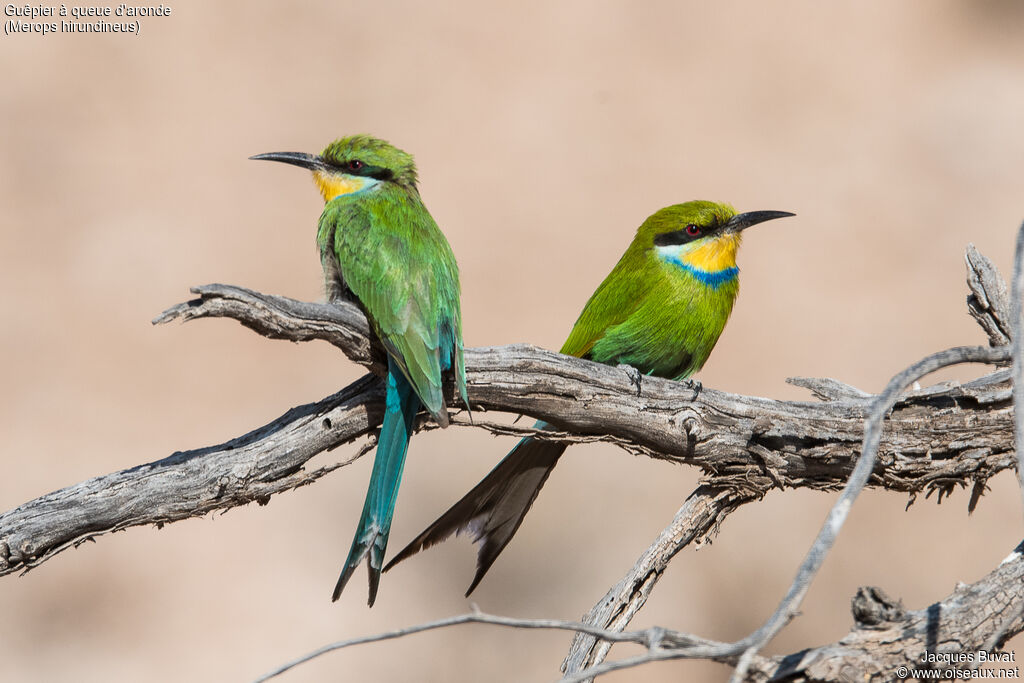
935, 440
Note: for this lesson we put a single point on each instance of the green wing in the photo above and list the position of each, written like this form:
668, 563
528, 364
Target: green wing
397, 262
616, 299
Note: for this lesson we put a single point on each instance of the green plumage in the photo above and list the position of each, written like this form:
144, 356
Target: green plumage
380, 248
391, 255
661, 310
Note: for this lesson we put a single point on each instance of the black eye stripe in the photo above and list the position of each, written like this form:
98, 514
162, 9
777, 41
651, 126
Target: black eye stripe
683, 235
361, 168
675, 237
668, 238
378, 172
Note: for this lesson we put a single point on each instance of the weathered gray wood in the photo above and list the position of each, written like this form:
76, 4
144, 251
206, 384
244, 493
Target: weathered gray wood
342, 323
932, 443
885, 637
191, 483
987, 302
726, 435
829, 389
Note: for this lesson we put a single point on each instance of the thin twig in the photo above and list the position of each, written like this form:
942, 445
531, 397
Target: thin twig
620, 664
649, 638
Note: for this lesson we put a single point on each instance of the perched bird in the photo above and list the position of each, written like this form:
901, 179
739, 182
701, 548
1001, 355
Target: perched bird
660, 310
380, 248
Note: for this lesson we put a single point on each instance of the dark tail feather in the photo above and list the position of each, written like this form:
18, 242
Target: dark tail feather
371, 537
494, 509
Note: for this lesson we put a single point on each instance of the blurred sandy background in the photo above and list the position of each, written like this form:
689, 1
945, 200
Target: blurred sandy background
545, 133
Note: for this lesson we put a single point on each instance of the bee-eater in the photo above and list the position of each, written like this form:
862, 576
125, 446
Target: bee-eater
660, 310
381, 248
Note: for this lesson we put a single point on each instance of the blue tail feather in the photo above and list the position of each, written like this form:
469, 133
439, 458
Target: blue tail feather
371, 537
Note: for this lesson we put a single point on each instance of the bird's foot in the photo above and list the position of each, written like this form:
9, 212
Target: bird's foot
635, 376
695, 385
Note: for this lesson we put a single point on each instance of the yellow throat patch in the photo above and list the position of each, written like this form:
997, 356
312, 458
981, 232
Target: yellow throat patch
334, 185
714, 255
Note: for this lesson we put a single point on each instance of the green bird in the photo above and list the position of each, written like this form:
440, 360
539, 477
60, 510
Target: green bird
660, 310
380, 248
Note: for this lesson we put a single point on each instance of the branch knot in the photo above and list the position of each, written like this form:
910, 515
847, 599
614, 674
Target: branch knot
873, 608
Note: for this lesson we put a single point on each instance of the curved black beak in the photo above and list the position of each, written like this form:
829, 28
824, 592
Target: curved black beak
742, 221
310, 161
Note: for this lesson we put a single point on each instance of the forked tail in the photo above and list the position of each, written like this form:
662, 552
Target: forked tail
371, 537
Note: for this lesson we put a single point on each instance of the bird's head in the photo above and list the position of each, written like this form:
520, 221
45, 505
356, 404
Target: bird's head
699, 235
354, 164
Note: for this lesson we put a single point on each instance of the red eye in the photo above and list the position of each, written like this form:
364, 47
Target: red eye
692, 230
355, 165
